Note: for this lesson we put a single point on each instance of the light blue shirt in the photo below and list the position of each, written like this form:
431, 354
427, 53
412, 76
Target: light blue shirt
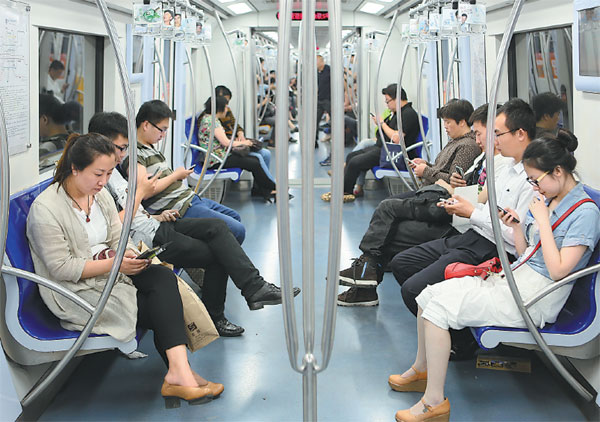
581, 227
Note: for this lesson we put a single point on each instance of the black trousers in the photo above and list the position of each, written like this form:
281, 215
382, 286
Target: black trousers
357, 161
159, 308
261, 181
424, 265
322, 107
208, 243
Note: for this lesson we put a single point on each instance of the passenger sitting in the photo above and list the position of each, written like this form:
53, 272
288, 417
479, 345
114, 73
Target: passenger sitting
170, 193
263, 181
367, 158
53, 129
71, 226
195, 242
472, 302
262, 154
411, 218
546, 107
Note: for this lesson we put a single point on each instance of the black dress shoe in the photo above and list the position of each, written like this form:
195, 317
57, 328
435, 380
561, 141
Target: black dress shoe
225, 328
269, 294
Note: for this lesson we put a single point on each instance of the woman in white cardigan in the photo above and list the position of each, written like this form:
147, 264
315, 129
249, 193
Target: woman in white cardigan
73, 229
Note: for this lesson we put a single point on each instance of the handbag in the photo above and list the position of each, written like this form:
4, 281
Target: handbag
397, 158
241, 150
257, 145
485, 269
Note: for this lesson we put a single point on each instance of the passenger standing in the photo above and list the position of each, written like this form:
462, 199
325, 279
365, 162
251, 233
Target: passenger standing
323, 92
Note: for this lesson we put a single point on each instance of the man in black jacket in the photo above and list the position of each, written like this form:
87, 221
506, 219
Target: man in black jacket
324, 91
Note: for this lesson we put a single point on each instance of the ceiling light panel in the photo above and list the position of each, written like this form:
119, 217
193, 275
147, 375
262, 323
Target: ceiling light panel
372, 8
239, 8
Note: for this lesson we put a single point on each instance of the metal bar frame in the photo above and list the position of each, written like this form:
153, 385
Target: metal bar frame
449, 80
4, 182
132, 184
492, 203
420, 67
193, 86
159, 60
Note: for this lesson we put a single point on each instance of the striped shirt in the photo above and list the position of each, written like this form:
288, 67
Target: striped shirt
176, 196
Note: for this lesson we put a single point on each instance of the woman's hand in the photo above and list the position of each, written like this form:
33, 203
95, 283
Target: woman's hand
539, 210
510, 218
131, 265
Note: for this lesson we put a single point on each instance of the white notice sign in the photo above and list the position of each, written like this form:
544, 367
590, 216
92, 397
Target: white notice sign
14, 73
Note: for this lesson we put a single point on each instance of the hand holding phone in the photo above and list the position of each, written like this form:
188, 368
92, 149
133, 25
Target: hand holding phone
151, 253
504, 212
192, 167
460, 171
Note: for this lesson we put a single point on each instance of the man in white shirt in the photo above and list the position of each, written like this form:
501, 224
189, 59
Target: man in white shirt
424, 265
55, 83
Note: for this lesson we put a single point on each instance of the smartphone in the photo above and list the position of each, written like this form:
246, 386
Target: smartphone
503, 211
192, 167
372, 115
460, 171
151, 253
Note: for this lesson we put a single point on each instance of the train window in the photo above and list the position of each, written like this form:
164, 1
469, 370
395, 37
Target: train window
138, 54
547, 58
67, 99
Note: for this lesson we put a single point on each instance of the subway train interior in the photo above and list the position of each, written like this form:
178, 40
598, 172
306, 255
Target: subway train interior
333, 172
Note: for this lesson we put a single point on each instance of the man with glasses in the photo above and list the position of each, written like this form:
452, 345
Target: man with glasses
170, 193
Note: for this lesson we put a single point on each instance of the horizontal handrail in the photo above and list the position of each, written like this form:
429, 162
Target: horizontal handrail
204, 150
42, 281
560, 283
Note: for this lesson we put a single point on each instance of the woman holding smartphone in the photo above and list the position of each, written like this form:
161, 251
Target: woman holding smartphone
473, 302
73, 229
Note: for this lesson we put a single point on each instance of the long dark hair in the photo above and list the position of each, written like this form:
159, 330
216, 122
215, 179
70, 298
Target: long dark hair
548, 152
79, 153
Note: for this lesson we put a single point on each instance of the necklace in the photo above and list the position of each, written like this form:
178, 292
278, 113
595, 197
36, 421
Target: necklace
87, 214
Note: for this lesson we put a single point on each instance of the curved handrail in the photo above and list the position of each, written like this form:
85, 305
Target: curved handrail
238, 103
453, 59
337, 188
193, 118
213, 116
4, 182
492, 203
52, 285
418, 102
398, 112
560, 283
132, 185
163, 78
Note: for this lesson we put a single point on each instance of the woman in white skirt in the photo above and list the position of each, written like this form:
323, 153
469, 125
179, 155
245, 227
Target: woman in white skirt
473, 302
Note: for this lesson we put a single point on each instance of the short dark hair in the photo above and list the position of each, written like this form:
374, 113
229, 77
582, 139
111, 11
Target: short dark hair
223, 91
457, 110
153, 111
392, 91
57, 65
110, 125
518, 116
221, 103
546, 104
479, 115
52, 108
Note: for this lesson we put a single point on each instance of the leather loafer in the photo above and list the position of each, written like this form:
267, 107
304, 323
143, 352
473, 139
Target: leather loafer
268, 294
193, 395
226, 328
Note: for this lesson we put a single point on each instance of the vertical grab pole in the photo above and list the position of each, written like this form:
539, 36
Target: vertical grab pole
283, 206
132, 184
163, 78
337, 189
492, 202
451, 71
4, 183
193, 93
419, 93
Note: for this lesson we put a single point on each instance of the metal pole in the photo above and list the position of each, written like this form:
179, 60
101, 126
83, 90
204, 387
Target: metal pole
132, 184
449, 79
4, 182
418, 102
193, 93
163, 78
492, 203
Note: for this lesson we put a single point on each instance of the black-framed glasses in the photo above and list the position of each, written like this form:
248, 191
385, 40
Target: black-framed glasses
504, 133
163, 131
536, 182
121, 148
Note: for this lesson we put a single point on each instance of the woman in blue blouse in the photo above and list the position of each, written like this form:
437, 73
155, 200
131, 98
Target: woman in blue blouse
473, 302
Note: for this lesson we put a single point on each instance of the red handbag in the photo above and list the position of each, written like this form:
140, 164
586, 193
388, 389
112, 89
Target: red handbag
484, 270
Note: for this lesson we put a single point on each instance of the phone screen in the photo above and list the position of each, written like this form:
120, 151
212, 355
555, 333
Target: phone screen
192, 167
460, 171
150, 253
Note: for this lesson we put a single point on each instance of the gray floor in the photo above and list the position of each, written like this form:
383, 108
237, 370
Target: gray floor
370, 344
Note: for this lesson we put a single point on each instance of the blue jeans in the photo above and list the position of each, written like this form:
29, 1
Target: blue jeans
264, 158
206, 208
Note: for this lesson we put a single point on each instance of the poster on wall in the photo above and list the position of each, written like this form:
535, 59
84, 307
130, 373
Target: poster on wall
14, 73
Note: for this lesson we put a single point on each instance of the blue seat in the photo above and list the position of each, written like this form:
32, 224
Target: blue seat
28, 319
578, 322
381, 172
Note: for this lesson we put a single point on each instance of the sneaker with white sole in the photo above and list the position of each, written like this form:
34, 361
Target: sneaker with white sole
355, 296
364, 272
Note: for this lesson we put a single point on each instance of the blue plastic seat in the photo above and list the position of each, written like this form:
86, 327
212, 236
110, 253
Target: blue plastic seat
577, 324
28, 319
381, 172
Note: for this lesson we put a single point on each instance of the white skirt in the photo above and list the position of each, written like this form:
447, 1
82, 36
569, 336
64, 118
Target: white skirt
473, 302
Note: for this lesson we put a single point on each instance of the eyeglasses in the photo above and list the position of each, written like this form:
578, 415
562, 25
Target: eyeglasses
504, 133
536, 182
389, 101
163, 131
121, 148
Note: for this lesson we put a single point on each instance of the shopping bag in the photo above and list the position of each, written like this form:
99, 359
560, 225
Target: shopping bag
199, 327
